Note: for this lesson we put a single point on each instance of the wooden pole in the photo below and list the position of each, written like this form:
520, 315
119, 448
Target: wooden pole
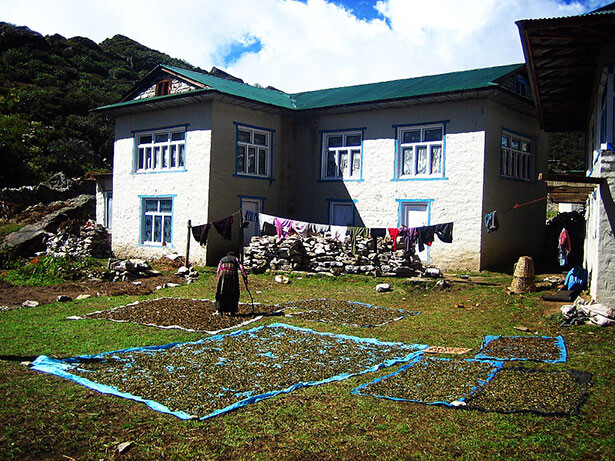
240, 236
188, 244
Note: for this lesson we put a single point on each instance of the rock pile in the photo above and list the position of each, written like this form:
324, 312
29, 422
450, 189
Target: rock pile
91, 239
323, 254
130, 269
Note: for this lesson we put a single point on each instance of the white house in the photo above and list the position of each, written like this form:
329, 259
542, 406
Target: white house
571, 62
428, 150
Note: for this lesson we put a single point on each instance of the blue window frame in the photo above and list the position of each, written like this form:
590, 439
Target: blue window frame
420, 151
342, 155
162, 149
253, 151
157, 221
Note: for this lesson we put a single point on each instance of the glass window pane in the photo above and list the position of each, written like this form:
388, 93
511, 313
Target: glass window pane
505, 141
331, 166
436, 159
411, 136
260, 139
167, 229
334, 141
145, 139
262, 158
173, 157
244, 136
353, 140
241, 159
356, 163
147, 229
407, 161
433, 134
525, 146
156, 157
141, 161
166, 206
514, 143
151, 205
162, 137
180, 157
178, 136
163, 156
157, 229
421, 160
343, 167
251, 160
148, 157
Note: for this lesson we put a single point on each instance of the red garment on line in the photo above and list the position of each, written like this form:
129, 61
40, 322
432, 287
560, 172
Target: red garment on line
394, 232
564, 240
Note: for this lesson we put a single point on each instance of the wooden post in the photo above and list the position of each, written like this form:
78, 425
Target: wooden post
188, 244
240, 236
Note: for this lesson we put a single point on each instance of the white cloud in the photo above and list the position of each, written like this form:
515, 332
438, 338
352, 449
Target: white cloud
309, 45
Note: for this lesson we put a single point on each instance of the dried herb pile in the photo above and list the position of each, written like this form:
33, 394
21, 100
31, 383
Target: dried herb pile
191, 314
345, 312
200, 378
544, 392
522, 348
432, 380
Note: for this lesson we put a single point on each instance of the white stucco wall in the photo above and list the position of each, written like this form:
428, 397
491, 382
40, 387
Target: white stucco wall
187, 188
457, 197
521, 230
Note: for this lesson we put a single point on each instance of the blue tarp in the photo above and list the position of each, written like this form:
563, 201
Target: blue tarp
558, 341
63, 367
496, 365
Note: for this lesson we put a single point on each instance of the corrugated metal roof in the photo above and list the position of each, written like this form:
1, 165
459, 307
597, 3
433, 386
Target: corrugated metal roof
357, 94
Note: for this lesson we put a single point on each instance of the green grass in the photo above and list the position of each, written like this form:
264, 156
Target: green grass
45, 417
7, 228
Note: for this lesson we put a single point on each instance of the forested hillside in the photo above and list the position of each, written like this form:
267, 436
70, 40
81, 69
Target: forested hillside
48, 85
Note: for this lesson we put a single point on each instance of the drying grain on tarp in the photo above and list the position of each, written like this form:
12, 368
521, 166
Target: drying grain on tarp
544, 392
348, 313
537, 348
432, 381
224, 372
188, 314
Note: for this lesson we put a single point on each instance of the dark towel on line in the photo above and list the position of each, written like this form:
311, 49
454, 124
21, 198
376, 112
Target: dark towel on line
224, 226
425, 236
250, 216
378, 232
445, 232
200, 233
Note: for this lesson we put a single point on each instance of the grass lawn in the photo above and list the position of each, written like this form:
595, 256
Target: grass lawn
46, 417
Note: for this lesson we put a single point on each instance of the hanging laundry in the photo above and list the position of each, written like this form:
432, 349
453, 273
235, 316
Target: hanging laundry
425, 236
394, 232
445, 232
201, 232
356, 232
250, 216
564, 247
378, 232
224, 227
409, 236
265, 219
491, 221
301, 228
282, 227
339, 233
319, 228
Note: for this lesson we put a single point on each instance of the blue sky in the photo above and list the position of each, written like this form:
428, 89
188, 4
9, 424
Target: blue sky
299, 45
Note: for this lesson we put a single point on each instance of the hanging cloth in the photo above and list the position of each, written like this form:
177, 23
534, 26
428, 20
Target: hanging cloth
409, 236
250, 216
377, 232
282, 227
301, 228
201, 232
394, 232
356, 232
425, 236
491, 221
224, 226
445, 232
319, 228
339, 233
564, 247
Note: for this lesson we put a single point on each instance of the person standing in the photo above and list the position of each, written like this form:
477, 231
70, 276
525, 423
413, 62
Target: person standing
227, 291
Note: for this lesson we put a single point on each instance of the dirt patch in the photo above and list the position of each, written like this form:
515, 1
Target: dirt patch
14, 296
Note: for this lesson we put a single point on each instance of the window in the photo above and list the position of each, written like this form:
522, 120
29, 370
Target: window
163, 87
108, 196
517, 156
253, 151
421, 151
161, 150
341, 213
342, 155
157, 221
520, 86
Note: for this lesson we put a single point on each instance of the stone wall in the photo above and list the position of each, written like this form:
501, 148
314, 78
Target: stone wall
323, 254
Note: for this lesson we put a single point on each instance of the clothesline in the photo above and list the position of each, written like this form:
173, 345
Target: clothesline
223, 226
491, 219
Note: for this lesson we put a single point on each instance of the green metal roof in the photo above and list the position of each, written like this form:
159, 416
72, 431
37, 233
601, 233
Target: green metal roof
349, 95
